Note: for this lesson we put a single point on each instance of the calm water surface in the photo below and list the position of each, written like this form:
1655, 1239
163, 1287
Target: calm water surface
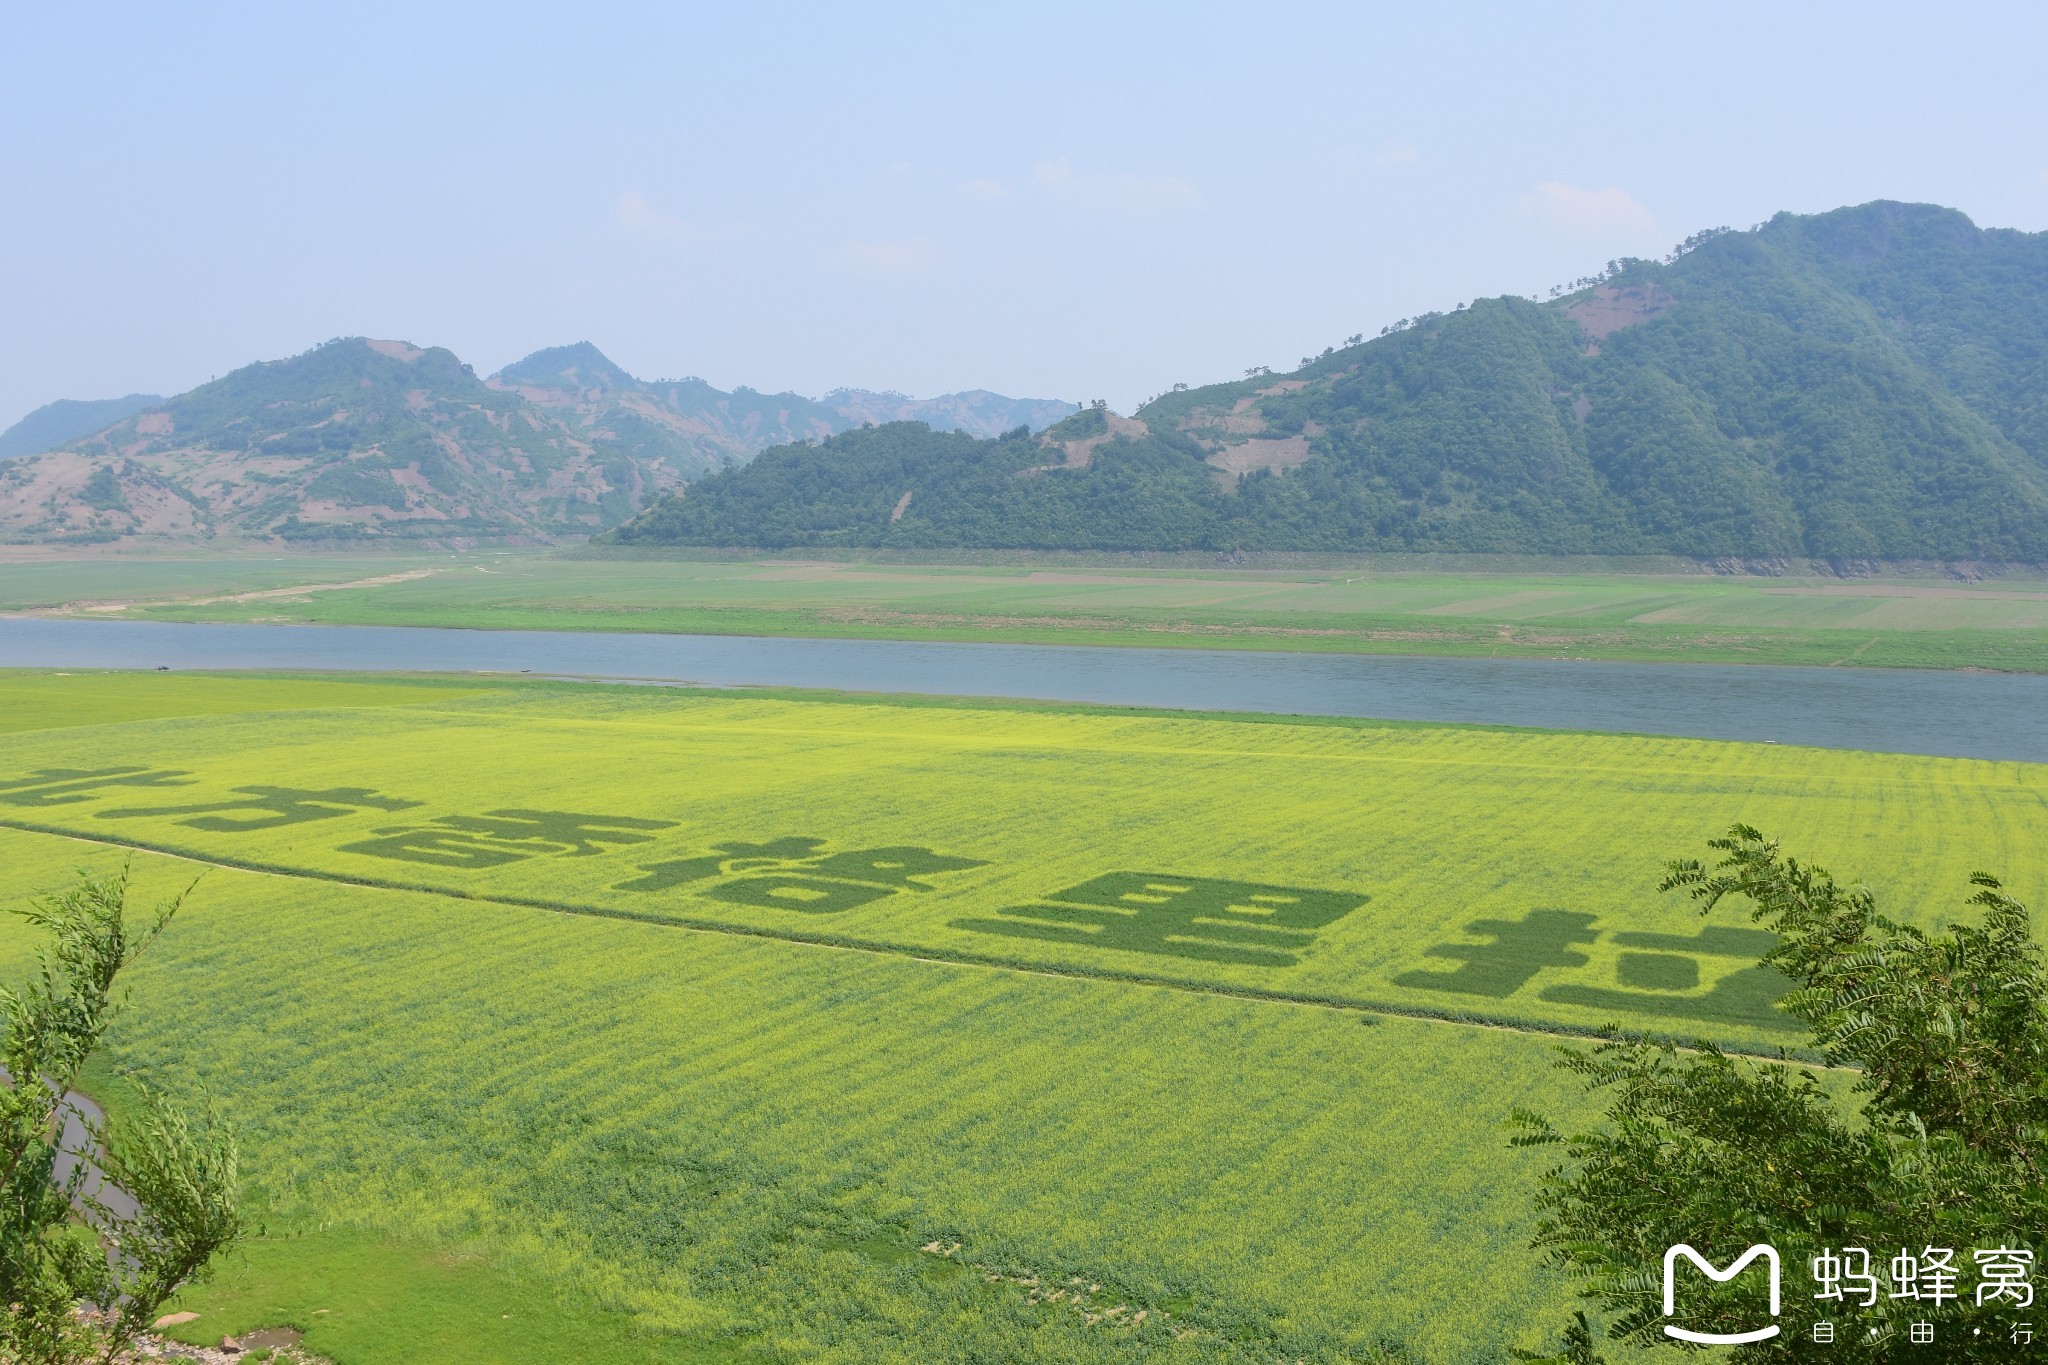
1970, 715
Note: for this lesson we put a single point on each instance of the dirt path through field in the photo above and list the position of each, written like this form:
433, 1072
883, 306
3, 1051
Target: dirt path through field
114, 604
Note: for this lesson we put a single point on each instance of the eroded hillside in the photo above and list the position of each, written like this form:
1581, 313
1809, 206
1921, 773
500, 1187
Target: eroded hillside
1862, 384
357, 438
367, 440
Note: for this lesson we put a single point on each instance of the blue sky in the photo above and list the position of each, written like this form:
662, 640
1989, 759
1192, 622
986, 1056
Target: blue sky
1064, 201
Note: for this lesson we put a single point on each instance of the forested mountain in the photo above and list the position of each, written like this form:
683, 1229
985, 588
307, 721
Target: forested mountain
362, 439
67, 419
356, 438
1866, 383
1095, 481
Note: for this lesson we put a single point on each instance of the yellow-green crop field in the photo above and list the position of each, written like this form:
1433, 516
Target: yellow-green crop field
704, 1012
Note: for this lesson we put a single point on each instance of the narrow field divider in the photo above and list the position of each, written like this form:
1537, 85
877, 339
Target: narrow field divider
937, 956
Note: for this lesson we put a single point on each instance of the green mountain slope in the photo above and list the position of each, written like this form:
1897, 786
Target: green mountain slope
381, 440
903, 484
67, 419
356, 438
1866, 383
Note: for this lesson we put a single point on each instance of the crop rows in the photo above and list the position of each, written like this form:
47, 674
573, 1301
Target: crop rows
693, 1128
1497, 876
742, 1137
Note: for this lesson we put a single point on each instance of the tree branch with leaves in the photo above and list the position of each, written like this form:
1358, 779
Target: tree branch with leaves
1933, 1131
84, 1267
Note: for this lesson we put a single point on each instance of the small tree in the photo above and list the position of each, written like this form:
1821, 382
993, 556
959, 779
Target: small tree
86, 1262
1947, 1039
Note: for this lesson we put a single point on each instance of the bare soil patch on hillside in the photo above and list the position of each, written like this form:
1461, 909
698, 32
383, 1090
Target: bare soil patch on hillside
1609, 310
1079, 454
1276, 453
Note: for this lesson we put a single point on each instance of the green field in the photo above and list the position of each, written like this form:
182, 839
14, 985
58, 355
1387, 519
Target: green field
677, 1025
39, 579
1530, 608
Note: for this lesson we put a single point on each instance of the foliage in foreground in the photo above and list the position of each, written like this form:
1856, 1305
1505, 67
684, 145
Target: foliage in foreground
1948, 1036
167, 1204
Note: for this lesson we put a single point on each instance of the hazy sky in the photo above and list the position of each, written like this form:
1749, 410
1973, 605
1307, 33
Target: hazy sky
1051, 201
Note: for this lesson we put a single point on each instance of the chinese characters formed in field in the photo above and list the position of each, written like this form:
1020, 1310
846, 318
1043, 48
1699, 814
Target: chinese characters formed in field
1210, 919
1709, 976
253, 808
505, 836
67, 786
794, 873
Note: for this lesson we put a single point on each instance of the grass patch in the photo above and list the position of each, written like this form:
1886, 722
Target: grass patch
359, 1297
43, 700
1495, 608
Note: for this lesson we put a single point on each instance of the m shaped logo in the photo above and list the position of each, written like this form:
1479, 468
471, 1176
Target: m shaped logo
1735, 1267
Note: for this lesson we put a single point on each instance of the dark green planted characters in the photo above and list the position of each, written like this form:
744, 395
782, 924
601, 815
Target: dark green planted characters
1205, 918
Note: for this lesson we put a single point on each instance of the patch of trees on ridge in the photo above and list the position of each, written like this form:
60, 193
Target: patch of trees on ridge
1858, 384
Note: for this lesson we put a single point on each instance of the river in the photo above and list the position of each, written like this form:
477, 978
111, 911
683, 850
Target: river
1967, 715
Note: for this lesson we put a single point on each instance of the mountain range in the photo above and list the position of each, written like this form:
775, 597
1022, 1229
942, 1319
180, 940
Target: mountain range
1868, 383
67, 419
371, 440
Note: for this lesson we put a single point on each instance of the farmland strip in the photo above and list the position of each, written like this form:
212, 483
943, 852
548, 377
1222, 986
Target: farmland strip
842, 943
